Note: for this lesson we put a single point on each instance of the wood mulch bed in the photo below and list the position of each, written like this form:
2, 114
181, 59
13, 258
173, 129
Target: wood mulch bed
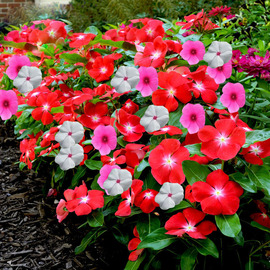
30, 235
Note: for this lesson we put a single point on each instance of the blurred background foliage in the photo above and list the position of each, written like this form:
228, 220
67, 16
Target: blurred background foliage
83, 13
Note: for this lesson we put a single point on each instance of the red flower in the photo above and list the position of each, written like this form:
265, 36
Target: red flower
27, 147
255, 152
129, 125
176, 87
124, 208
82, 201
204, 85
102, 68
130, 107
153, 54
45, 102
116, 159
166, 161
146, 200
261, 218
133, 244
171, 130
217, 195
185, 222
78, 40
222, 142
95, 115
152, 29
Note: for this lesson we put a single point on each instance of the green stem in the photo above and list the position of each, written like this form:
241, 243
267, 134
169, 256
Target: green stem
260, 247
222, 165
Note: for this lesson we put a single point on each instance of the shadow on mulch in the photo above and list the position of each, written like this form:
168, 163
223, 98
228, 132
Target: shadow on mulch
30, 235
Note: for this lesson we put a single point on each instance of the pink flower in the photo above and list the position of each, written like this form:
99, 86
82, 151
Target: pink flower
60, 211
233, 96
220, 74
104, 139
148, 81
193, 117
104, 173
8, 104
16, 62
193, 51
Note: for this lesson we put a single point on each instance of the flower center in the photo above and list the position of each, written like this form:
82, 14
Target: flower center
126, 78
149, 32
189, 228
220, 68
70, 133
103, 70
148, 195
95, 118
222, 139
19, 68
28, 78
69, 155
218, 193
233, 96
46, 107
256, 150
6, 103
171, 92
169, 161
156, 55
146, 80
118, 181
51, 33
193, 51
80, 37
170, 195
129, 128
84, 199
218, 53
193, 117
104, 139
155, 117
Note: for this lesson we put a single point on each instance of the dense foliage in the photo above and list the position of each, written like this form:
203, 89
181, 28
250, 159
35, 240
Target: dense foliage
155, 131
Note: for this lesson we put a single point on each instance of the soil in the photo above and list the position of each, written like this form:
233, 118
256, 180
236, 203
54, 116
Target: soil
30, 235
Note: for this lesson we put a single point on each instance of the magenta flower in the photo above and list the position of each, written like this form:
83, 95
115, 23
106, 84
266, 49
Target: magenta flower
104, 139
16, 62
193, 117
104, 173
8, 104
193, 51
148, 81
220, 74
233, 96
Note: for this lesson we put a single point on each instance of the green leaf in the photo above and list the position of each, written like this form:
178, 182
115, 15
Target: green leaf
96, 219
244, 182
256, 136
174, 119
259, 226
93, 164
194, 171
261, 45
120, 236
135, 265
206, 247
146, 226
73, 58
194, 149
239, 239
92, 30
180, 206
59, 174
228, 225
260, 175
157, 240
57, 109
77, 176
188, 259
20, 45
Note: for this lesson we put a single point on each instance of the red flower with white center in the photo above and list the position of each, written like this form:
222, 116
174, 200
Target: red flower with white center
146, 200
153, 54
48, 137
153, 29
217, 195
176, 87
95, 115
116, 159
166, 161
65, 92
133, 244
224, 141
34, 94
204, 85
130, 107
185, 222
56, 30
55, 77
129, 125
135, 153
262, 218
78, 40
174, 46
102, 68
91, 56
255, 152
124, 208
171, 130
83, 201
45, 102
27, 147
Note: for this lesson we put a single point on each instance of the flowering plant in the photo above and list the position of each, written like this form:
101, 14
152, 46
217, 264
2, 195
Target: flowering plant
143, 134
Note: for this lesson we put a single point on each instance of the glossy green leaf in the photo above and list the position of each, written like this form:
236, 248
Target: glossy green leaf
96, 219
73, 58
77, 176
206, 247
229, 225
180, 206
244, 182
93, 164
194, 149
259, 226
147, 225
256, 136
135, 265
188, 259
194, 171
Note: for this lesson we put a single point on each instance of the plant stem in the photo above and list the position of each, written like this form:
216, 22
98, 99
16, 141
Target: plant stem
260, 247
222, 165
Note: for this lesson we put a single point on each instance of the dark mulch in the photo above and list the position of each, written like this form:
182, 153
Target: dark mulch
30, 235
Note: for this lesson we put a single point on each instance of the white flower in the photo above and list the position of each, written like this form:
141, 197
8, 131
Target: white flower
170, 195
118, 181
28, 79
219, 53
69, 133
70, 157
125, 79
155, 117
